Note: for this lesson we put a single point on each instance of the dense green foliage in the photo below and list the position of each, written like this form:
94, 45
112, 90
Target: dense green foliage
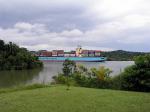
13, 57
120, 55
81, 76
77, 99
136, 77
68, 70
68, 67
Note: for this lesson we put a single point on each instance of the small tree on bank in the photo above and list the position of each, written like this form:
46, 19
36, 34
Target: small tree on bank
101, 73
68, 69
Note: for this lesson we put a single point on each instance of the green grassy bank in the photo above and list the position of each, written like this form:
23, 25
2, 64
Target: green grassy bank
58, 99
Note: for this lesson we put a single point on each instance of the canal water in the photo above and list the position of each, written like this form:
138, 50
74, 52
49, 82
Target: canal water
25, 77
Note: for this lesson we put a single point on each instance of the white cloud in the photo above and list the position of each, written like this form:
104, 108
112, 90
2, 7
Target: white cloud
136, 20
112, 24
98, 38
72, 33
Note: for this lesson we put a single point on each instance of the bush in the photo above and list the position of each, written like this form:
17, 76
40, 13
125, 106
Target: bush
137, 77
81, 76
60, 79
116, 82
81, 80
134, 78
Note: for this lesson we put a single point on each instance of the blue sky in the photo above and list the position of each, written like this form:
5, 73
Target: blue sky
64, 24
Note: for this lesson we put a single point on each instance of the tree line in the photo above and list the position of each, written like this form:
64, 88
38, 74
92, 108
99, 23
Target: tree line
16, 58
121, 55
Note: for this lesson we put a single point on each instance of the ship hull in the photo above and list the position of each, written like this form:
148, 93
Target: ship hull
77, 59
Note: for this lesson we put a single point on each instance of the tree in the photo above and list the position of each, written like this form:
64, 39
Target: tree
68, 69
14, 57
2, 45
137, 77
102, 73
82, 69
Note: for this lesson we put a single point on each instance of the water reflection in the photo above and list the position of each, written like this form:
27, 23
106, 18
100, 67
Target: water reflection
15, 78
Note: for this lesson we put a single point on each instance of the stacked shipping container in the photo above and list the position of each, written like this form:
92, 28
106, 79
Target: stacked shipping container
97, 53
46, 53
85, 53
61, 53
90, 53
72, 53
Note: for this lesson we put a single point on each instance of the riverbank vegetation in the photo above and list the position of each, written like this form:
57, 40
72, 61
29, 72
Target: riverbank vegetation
134, 78
14, 57
77, 99
121, 55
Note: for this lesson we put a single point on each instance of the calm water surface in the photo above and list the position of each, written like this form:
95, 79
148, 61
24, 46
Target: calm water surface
24, 77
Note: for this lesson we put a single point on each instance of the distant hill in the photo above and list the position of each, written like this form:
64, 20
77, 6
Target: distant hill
121, 55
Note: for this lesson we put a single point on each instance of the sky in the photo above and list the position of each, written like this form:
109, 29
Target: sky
64, 24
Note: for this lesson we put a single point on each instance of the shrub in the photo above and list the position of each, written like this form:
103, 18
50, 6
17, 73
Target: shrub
81, 76
137, 77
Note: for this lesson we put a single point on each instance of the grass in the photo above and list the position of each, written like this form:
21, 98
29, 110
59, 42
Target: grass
19, 88
58, 99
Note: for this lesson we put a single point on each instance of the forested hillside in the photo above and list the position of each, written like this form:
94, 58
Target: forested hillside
121, 55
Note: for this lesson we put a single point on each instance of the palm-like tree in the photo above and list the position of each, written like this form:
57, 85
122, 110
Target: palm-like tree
102, 73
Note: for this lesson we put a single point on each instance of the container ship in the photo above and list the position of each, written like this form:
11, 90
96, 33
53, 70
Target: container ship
79, 55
